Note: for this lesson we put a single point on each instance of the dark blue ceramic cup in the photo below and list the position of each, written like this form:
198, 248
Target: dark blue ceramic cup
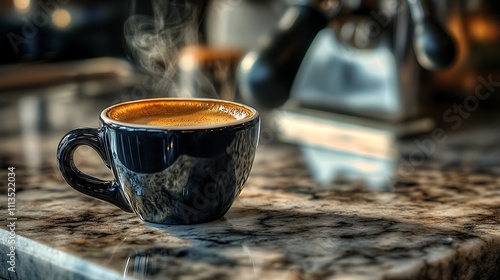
168, 174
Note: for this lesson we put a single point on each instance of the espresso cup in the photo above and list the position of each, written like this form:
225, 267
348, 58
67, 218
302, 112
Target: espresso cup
174, 161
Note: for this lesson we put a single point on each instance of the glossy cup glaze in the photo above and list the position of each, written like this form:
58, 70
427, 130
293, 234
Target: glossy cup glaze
166, 175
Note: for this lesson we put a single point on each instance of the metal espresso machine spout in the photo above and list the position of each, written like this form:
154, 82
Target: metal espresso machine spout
344, 78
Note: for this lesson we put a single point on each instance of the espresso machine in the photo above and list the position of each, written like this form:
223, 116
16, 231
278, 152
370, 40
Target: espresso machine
363, 58
346, 78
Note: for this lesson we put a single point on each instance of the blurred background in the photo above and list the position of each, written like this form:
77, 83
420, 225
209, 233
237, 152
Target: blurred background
65, 58
345, 80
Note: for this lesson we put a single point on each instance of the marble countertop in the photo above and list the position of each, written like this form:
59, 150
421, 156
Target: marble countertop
442, 221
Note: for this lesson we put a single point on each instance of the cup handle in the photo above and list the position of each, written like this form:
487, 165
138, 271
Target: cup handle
106, 190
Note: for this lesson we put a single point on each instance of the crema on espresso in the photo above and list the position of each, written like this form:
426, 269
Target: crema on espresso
179, 113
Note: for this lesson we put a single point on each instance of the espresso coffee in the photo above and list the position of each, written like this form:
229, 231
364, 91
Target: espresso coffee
179, 113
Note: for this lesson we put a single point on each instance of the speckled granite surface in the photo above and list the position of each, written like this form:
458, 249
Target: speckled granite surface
442, 221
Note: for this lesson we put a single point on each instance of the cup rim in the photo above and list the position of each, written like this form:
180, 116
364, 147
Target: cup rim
104, 114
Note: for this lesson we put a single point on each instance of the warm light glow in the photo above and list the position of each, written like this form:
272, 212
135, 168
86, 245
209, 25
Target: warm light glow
22, 6
187, 63
248, 61
484, 29
61, 18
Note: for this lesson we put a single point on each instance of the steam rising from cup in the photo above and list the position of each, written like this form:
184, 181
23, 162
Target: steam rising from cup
155, 41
